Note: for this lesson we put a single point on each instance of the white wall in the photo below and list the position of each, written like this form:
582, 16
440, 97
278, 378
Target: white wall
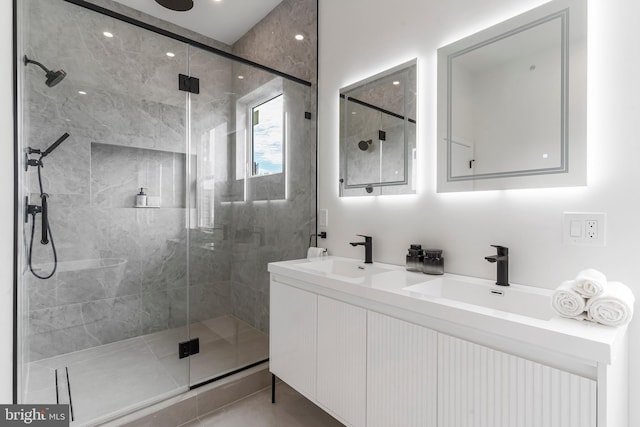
6, 206
359, 38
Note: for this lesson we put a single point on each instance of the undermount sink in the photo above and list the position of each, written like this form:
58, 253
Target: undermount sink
349, 270
516, 299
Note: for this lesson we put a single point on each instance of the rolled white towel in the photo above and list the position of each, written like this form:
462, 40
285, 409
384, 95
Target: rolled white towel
314, 252
590, 283
614, 307
567, 302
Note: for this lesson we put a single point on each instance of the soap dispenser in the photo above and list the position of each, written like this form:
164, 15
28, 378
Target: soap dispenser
141, 199
415, 258
433, 262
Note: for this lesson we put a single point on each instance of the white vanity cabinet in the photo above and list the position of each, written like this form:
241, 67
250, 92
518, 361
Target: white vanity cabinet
375, 358
479, 386
401, 373
292, 337
342, 360
365, 368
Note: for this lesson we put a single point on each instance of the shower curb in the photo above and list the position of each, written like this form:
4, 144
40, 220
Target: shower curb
188, 406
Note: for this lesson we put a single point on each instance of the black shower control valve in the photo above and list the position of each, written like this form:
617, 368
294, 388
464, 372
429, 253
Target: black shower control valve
33, 209
34, 162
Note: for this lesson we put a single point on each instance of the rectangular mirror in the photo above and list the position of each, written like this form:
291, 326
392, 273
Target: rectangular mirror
512, 103
378, 134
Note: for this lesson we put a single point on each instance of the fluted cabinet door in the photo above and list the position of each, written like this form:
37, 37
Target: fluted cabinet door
401, 373
342, 359
481, 387
292, 346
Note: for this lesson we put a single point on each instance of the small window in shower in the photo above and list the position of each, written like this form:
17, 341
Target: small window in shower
267, 137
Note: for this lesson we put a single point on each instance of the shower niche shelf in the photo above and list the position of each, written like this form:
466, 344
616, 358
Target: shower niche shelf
118, 170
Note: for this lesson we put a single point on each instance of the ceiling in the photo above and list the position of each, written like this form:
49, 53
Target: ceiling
222, 20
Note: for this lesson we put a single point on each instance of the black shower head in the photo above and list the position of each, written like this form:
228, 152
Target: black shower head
177, 5
53, 77
364, 145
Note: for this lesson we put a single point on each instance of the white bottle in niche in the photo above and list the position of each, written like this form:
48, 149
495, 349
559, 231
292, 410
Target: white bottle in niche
141, 198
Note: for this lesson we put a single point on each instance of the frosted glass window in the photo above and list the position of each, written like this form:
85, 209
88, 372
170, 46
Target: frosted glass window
267, 136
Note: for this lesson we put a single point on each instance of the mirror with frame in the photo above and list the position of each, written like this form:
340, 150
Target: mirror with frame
378, 134
512, 103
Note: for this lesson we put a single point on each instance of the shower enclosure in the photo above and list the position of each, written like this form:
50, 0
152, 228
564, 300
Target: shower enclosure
150, 296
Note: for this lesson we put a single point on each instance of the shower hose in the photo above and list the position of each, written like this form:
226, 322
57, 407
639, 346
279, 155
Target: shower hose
43, 196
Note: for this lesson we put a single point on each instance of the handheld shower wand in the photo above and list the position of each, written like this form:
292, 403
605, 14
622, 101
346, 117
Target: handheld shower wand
46, 152
33, 210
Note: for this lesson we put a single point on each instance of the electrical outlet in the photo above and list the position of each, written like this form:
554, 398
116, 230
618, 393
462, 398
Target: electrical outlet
584, 228
591, 229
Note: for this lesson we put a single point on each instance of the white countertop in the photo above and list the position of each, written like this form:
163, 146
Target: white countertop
590, 342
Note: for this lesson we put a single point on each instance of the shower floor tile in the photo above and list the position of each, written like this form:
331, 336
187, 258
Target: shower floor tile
117, 378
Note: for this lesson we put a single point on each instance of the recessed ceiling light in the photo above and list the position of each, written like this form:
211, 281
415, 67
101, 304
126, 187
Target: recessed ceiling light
107, 34
299, 37
396, 82
241, 77
353, 112
171, 54
217, 1
81, 92
545, 156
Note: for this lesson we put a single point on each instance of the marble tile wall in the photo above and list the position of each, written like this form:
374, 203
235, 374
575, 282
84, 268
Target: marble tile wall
129, 125
284, 225
127, 131
271, 41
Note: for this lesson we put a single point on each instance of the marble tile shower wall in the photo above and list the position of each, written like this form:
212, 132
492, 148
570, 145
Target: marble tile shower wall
285, 225
128, 131
270, 230
270, 41
132, 111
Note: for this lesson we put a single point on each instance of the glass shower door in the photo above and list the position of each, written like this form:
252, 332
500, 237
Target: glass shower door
243, 216
217, 177
103, 331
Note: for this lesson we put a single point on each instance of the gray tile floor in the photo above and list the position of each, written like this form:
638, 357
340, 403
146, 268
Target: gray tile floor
290, 410
118, 377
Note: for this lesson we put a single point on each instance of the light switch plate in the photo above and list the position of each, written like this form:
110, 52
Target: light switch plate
323, 218
584, 228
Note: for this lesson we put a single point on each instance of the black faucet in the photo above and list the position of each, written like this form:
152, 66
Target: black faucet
368, 248
502, 259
